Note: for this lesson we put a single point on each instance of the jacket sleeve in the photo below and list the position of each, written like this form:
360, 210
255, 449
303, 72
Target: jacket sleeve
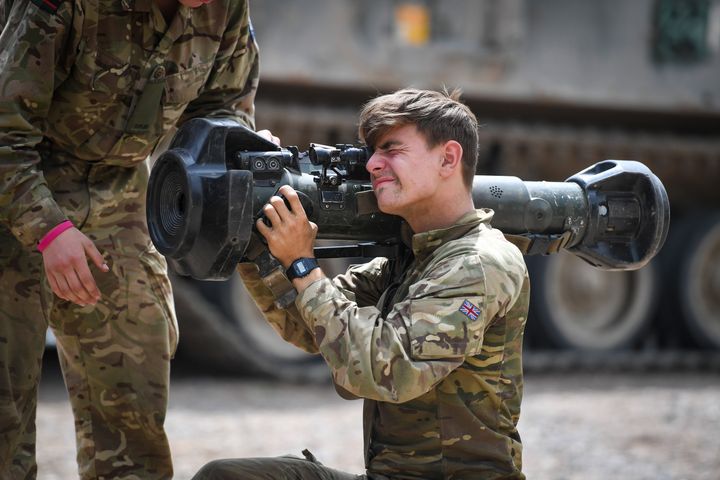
421, 340
286, 322
365, 283
230, 89
36, 54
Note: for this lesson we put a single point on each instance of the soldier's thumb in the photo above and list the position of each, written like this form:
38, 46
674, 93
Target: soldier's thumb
94, 254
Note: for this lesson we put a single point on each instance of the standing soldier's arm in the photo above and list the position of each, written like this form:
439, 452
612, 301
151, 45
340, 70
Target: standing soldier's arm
36, 53
38, 45
229, 91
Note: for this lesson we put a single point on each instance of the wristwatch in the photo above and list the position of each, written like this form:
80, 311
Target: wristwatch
301, 268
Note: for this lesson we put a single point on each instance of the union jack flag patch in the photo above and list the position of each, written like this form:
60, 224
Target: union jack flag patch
469, 310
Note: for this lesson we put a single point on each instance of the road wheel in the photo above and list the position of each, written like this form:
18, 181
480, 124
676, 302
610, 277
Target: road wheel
222, 329
576, 306
698, 283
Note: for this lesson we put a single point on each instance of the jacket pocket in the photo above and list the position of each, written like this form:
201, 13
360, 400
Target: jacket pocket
182, 88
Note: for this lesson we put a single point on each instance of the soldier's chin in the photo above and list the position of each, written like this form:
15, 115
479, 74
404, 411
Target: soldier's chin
388, 207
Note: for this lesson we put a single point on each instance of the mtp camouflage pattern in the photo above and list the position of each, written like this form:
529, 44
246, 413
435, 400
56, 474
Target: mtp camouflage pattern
87, 92
433, 343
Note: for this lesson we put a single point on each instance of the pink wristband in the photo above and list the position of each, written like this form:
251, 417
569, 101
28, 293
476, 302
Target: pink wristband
53, 234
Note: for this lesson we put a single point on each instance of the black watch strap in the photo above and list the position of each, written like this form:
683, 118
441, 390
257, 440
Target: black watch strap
301, 268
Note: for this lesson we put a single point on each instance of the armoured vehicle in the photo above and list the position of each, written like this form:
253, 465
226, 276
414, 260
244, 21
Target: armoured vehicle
557, 86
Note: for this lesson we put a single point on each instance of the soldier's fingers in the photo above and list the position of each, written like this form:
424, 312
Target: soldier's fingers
271, 212
294, 201
54, 287
262, 228
78, 293
267, 134
87, 282
63, 290
280, 207
287, 191
96, 257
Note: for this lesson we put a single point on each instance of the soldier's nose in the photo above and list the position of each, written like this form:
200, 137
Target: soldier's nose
375, 164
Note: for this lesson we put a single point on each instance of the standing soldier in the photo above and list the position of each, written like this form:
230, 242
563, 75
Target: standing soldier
87, 90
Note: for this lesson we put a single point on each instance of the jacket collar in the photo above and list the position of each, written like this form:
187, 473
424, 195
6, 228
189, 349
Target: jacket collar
423, 244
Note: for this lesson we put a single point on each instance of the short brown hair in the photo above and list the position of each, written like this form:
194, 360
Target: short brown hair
438, 116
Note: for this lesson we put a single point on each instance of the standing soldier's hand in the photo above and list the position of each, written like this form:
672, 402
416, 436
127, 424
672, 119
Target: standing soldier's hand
268, 135
66, 267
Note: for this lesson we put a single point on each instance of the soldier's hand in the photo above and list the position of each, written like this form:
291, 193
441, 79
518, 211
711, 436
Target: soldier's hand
66, 267
267, 135
291, 235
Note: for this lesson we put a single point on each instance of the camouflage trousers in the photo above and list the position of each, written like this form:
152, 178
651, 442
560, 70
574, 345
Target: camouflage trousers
279, 468
115, 355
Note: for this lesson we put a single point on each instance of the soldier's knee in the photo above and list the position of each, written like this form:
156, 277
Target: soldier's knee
242, 469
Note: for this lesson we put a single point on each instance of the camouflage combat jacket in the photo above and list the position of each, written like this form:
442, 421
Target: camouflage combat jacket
434, 345
103, 81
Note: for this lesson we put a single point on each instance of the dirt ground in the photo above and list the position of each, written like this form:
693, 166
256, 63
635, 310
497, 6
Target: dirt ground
579, 426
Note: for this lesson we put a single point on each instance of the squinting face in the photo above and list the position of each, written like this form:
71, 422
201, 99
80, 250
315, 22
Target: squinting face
194, 3
405, 172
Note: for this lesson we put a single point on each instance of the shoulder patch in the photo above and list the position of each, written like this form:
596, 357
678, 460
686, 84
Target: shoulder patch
49, 6
470, 310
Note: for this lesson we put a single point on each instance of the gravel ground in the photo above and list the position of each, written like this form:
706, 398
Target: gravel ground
578, 426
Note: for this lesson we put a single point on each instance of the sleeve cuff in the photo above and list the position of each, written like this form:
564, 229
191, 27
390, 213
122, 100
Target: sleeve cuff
30, 227
53, 234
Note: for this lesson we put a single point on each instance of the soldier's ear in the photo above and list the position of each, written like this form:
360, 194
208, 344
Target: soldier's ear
452, 159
